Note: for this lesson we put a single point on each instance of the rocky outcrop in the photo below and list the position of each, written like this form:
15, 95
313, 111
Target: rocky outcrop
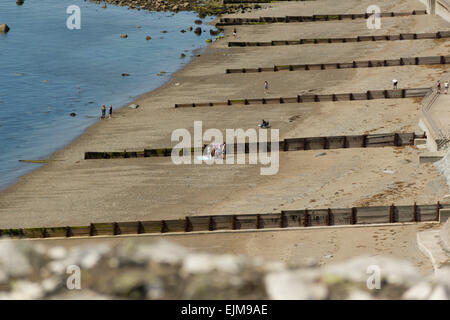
204, 8
161, 270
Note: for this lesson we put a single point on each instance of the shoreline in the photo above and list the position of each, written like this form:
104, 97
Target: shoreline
85, 134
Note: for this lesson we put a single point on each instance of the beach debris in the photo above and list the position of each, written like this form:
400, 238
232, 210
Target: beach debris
389, 171
148, 38
198, 31
208, 40
177, 84
4, 28
198, 21
161, 73
320, 154
125, 74
34, 161
73, 114
133, 106
124, 35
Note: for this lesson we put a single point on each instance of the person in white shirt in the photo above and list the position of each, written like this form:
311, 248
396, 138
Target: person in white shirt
395, 83
446, 87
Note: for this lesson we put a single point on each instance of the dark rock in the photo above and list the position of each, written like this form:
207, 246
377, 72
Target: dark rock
148, 38
182, 56
4, 28
214, 32
124, 36
198, 21
190, 28
198, 31
73, 114
164, 31
20, 2
125, 74
183, 31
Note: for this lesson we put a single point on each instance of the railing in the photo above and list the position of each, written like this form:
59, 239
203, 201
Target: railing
442, 139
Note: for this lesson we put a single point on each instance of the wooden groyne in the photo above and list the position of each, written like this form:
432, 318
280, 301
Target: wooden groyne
395, 37
288, 144
368, 95
432, 60
281, 220
313, 18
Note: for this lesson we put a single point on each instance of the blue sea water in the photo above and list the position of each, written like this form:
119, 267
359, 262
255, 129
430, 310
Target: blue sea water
48, 71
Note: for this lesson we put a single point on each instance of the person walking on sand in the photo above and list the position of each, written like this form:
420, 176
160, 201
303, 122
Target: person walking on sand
395, 83
446, 86
103, 111
438, 86
266, 87
234, 32
110, 111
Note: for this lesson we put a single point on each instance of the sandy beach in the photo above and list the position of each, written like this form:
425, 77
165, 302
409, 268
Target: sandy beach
72, 191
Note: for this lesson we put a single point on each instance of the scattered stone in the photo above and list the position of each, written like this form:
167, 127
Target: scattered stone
148, 38
182, 31
20, 2
124, 36
198, 31
138, 27
190, 28
104, 6
73, 114
125, 74
198, 21
164, 31
4, 28
182, 56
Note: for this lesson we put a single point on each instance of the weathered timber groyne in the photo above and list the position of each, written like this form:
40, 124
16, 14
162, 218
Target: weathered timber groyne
433, 60
282, 220
387, 37
368, 95
313, 18
288, 144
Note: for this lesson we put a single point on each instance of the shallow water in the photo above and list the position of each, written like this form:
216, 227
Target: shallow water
49, 71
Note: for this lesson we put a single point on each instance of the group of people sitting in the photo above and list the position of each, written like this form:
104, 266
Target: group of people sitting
216, 150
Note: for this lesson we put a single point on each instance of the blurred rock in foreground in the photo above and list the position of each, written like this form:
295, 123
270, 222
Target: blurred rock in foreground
161, 270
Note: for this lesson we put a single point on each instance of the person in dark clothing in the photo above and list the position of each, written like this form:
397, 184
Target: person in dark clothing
110, 111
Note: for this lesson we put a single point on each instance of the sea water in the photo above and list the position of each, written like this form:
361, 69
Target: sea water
48, 71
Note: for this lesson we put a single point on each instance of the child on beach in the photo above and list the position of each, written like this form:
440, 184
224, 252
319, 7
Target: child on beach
234, 32
446, 87
110, 111
266, 87
438, 86
103, 111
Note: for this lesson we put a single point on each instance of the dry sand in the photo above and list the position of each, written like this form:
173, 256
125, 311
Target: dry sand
71, 191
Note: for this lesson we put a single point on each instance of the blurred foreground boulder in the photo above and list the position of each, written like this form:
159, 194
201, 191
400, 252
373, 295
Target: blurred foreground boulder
161, 270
